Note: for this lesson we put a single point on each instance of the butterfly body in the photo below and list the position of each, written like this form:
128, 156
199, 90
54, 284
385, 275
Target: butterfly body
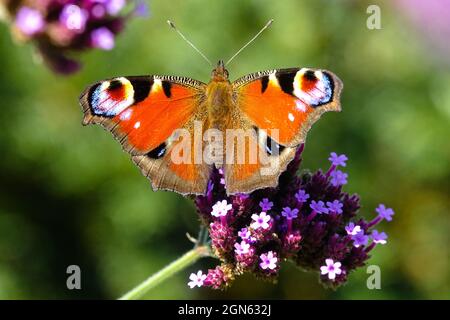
250, 128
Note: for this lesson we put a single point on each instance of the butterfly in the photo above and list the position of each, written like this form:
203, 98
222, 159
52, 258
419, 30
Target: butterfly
144, 113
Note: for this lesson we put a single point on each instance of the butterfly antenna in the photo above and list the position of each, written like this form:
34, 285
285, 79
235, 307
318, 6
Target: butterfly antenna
172, 25
251, 40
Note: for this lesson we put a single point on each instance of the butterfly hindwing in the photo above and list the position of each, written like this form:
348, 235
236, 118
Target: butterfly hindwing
143, 113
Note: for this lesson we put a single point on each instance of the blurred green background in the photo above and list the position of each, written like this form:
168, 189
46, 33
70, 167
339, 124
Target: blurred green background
69, 195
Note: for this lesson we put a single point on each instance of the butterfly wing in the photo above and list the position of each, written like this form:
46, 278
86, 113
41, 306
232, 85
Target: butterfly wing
281, 105
145, 114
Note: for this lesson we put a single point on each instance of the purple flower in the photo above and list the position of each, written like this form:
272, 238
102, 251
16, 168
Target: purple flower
113, 7
360, 239
335, 206
196, 279
246, 235
241, 248
59, 29
74, 18
331, 268
102, 38
384, 213
260, 221
29, 21
379, 237
268, 261
141, 9
221, 208
301, 196
352, 229
338, 160
289, 213
257, 242
318, 206
266, 205
338, 178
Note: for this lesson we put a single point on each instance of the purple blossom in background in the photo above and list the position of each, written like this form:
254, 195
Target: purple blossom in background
360, 239
384, 213
272, 225
265, 204
289, 213
301, 196
60, 28
102, 38
430, 21
141, 9
352, 229
73, 17
318, 206
113, 7
380, 238
29, 21
335, 206
338, 178
331, 269
338, 160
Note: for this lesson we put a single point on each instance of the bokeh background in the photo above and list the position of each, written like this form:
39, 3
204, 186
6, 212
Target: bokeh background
69, 195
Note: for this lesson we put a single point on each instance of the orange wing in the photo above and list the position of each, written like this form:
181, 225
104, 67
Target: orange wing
144, 113
288, 100
281, 106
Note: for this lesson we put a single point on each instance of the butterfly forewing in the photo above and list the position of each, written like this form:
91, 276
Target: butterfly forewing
289, 100
143, 113
281, 105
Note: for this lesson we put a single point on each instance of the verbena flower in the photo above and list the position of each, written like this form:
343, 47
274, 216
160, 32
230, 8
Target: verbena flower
338, 178
335, 206
59, 29
307, 219
385, 213
221, 208
268, 261
196, 279
260, 221
331, 269
360, 239
265, 204
379, 237
352, 229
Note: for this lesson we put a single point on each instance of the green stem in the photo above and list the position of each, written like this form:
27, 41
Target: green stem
182, 262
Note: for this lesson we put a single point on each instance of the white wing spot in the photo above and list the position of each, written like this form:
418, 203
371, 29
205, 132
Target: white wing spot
126, 115
300, 105
291, 117
137, 124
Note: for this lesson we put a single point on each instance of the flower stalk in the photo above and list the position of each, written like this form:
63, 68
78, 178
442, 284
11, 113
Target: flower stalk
189, 258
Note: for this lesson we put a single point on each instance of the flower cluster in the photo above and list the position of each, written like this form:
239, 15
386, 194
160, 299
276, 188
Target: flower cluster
306, 219
60, 27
